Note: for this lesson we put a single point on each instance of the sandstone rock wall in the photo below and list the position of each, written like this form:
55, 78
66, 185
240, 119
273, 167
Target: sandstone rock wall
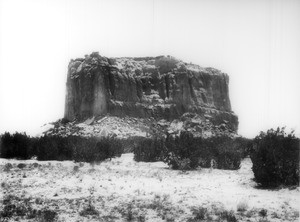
160, 87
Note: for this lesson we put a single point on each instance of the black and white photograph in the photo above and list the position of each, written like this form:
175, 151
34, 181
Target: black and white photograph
149, 110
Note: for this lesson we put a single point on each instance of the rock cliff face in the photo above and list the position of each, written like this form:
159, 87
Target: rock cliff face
160, 87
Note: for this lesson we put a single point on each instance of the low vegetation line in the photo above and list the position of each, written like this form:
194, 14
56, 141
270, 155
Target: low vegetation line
76, 148
274, 154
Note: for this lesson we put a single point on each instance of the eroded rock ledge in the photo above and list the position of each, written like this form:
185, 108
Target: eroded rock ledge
149, 87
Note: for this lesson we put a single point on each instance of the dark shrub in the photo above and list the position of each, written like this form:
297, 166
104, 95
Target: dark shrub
129, 143
243, 145
226, 152
182, 151
149, 149
83, 149
46, 148
116, 147
8, 210
202, 151
60, 148
21, 165
275, 158
97, 149
65, 147
263, 212
108, 147
54, 147
186, 152
15, 146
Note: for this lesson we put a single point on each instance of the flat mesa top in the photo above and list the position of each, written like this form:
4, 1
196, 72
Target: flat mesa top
137, 65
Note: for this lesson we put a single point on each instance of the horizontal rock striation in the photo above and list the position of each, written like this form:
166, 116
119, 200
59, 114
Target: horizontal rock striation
160, 87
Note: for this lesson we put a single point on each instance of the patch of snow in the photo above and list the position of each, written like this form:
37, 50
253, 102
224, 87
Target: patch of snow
122, 181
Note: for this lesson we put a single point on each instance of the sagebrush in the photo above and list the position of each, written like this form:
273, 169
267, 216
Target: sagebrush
275, 158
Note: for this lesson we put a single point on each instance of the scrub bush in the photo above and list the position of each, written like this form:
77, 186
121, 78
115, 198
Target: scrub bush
186, 152
59, 148
15, 145
203, 152
275, 158
149, 149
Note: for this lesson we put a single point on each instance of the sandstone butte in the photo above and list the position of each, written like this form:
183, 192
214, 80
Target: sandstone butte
161, 87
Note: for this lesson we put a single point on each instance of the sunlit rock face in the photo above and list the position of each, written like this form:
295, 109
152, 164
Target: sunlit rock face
160, 87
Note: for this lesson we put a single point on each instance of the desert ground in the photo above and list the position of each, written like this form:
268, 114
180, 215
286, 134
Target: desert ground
122, 189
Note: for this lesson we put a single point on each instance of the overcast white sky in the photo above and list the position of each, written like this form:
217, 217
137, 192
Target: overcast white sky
256, 42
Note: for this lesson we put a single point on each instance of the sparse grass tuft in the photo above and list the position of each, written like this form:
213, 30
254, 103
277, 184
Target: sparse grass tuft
242, 206
7, 167
47, 215
263, 220
141, 218
75, 169
129, 214
200, 213
263, 213
89, 210
16, 208
4, 185
295, 214
228, 216
250, 213
275, 215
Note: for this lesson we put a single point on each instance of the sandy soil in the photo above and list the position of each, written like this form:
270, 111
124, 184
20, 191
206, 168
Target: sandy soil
125, 190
